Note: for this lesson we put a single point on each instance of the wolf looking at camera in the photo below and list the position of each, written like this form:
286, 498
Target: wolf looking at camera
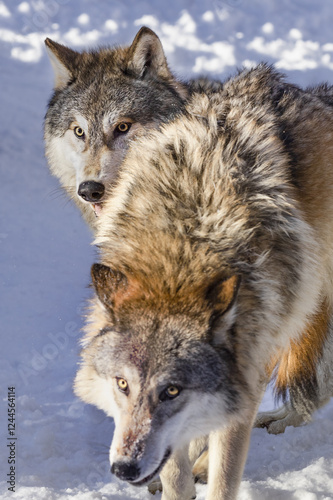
102, 100
216, 272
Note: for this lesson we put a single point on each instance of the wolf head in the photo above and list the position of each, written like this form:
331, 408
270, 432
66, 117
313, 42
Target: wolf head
102, 100
159, 368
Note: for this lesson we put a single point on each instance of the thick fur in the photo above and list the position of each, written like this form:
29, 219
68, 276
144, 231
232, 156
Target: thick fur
217, 259
97, 91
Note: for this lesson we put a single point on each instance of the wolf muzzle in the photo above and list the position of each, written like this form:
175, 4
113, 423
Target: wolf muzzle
130, 470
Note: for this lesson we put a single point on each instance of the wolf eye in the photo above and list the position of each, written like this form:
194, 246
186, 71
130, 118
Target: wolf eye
170, 392
123, 127
79, 132
122, 384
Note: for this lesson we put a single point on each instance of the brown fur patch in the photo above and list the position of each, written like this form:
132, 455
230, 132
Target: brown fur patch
298, 364
227, 293
118, 292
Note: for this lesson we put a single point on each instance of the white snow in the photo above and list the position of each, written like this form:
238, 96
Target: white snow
24, 7
111, 25
208, 16
76, 37
268, 28
45, 258
4, 12
83, 19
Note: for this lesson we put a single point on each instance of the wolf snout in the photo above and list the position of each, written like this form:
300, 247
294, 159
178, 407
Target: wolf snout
91, 191
127, 471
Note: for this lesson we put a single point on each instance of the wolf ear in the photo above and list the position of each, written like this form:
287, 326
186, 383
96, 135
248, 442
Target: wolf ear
222, 294
63, 61
107, 283
146, 56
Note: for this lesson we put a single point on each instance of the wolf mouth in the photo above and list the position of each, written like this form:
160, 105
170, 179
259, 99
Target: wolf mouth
97, 208
156, 471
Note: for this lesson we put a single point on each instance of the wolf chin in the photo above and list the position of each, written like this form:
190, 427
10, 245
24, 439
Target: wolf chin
215, 275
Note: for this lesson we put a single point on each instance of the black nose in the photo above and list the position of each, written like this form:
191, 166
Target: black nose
91, 191
127, 471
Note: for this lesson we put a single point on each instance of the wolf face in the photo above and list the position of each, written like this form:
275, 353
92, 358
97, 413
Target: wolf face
154, 402
149, 369
103, 100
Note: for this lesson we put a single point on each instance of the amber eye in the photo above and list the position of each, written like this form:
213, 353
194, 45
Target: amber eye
122, 384
123, 127
170, 392
79, 132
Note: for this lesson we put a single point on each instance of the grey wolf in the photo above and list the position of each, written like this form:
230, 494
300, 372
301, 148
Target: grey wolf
216, 273
102, 100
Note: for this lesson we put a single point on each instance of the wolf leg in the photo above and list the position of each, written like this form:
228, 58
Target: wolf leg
196, 449
228, 449
276, 421
155, 486
199, 457
176, 477
200, 469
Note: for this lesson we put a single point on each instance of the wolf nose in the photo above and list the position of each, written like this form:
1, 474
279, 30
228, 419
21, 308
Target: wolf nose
91, 191
127, 471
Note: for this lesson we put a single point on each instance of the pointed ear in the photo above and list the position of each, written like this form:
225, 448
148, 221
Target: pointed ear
222, 294
146, 56
108, 283
63, 61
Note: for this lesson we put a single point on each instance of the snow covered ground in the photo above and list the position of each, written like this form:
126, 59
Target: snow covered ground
45, 257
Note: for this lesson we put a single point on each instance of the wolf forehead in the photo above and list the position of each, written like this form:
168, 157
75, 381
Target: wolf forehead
160, 331
101, 84
158, 354
106, 93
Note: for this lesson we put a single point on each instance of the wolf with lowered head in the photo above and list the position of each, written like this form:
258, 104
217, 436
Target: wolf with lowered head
216, 271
